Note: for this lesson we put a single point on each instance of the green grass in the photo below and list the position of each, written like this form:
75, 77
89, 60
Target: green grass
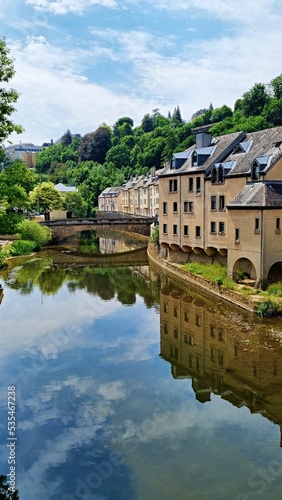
214, 273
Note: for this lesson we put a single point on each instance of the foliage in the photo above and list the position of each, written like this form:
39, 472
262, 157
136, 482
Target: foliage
45, 197
95, 145
9, 222
8, 97
5, 494
67, 138
33, 231
155, 236
215, 273
15, 183
275, 289
74, 203
22, 247
268, 308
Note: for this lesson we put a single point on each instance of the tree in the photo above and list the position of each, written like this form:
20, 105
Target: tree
253, 101
5, 494
75, 204
46, 197
95, 145
7, 96
276, 86
15, 183
67, 138
32, 231
176, 116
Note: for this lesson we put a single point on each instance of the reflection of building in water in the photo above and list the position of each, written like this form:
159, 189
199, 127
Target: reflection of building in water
1, 294
238, 360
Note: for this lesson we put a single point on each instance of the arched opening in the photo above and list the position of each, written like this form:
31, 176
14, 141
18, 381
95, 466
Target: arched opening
244, 269
255, 171
275, 273
198, 250
210, 251
186, 248
173, 246
213, 175
220, 175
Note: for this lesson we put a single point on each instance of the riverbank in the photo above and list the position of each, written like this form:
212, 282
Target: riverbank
174, 270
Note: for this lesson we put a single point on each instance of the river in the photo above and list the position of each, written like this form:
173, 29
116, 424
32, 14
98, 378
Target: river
128, 386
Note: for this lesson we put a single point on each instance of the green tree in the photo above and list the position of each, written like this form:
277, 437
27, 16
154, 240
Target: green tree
253, 101
15, 183
95, 145
67, 138
45, 197
276, 86
119, 156
75, 204
8, 97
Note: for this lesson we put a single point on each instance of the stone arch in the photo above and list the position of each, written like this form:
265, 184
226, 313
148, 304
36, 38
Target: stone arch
244, 265
275, 273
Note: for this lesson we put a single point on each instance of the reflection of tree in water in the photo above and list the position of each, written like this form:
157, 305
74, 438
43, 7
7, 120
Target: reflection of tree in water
89, 242
5, 493
120, 282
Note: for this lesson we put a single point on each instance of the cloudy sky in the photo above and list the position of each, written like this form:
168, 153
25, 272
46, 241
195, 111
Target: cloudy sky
80, 63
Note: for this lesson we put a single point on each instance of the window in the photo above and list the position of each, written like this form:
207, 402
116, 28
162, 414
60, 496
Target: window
220, 335
214, 176
198, 320
212, 354
212, 331
165, 307
221, 228
186, 317
173, 352
278, 225
186, 206
165, 208
175, 312
198, 231
213, 227
220, 177
186, 233
198, 184
175, 333
237, 235
172, 185
194, 159
191, 184
175, 229
191, 206
165, 229
220, 359
175, 207
256, 225
213, 202
222, 203
165, 329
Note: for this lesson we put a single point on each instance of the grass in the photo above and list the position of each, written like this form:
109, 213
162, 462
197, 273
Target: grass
214, 273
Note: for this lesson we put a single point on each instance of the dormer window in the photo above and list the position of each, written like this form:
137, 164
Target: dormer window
255, 171
260, 163
242, 147
220, 177
194, 159
217, 175
214, 175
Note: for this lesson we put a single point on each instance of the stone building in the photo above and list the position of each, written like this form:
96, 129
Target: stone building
221, 200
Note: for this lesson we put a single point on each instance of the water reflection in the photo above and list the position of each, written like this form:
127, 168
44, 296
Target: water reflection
235, 357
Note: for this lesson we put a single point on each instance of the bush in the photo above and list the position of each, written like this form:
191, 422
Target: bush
275, 289
9, 222
268, 308
155, 236
1, 258
33, 231
22, 247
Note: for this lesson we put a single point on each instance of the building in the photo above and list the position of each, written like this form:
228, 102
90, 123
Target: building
62, 214
140, 195
110, 200
221, 200
25, 152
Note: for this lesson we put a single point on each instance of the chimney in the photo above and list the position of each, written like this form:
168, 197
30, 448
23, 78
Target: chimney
153, 171
203, 136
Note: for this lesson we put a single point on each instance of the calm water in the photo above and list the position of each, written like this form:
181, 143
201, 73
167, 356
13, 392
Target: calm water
130, 388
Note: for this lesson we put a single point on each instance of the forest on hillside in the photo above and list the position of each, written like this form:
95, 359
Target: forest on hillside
109, 155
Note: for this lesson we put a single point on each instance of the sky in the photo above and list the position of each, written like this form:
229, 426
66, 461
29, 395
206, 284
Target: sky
82, 63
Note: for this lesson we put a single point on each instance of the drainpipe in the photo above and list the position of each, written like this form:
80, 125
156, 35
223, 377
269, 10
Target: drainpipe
261, 256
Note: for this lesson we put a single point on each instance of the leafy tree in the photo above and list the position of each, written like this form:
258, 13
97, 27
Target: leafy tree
46, 197
119, 156
276, 86
15, 183
95, 145
253, 101
176, 116
147, 123
272, 111
8, 97
74, 203
67, 138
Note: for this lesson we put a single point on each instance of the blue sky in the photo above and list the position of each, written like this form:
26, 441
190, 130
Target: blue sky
81, 63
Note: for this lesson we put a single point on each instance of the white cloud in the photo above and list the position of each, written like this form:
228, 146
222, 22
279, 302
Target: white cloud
66, 6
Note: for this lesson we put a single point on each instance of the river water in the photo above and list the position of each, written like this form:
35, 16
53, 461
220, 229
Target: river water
131, 387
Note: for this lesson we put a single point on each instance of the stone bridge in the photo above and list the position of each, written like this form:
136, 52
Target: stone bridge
65, 228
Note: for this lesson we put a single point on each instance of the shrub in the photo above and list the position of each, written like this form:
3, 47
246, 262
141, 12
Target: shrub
1, 257
275, 289
33, 231
22, 247
155, 236
268, 308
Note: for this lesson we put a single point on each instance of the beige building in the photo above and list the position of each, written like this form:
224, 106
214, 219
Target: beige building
110, 200
140, 195
221, 200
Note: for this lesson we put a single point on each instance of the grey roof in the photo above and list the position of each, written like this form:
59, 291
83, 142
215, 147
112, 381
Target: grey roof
205, 151
182, 154
65, 189
258, 194
110, 191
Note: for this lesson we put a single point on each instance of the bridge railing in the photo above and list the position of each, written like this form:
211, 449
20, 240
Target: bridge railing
98, 221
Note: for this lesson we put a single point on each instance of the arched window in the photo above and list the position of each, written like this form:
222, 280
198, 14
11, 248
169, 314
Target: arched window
214, 175
194, 159
255, 171
220, 177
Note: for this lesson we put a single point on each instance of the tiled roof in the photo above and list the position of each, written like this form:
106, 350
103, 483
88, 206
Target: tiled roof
258, 194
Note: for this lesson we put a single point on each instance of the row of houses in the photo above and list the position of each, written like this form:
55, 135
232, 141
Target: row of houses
138, 196
220, 200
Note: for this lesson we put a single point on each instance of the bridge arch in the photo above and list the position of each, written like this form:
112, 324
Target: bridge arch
274, 273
